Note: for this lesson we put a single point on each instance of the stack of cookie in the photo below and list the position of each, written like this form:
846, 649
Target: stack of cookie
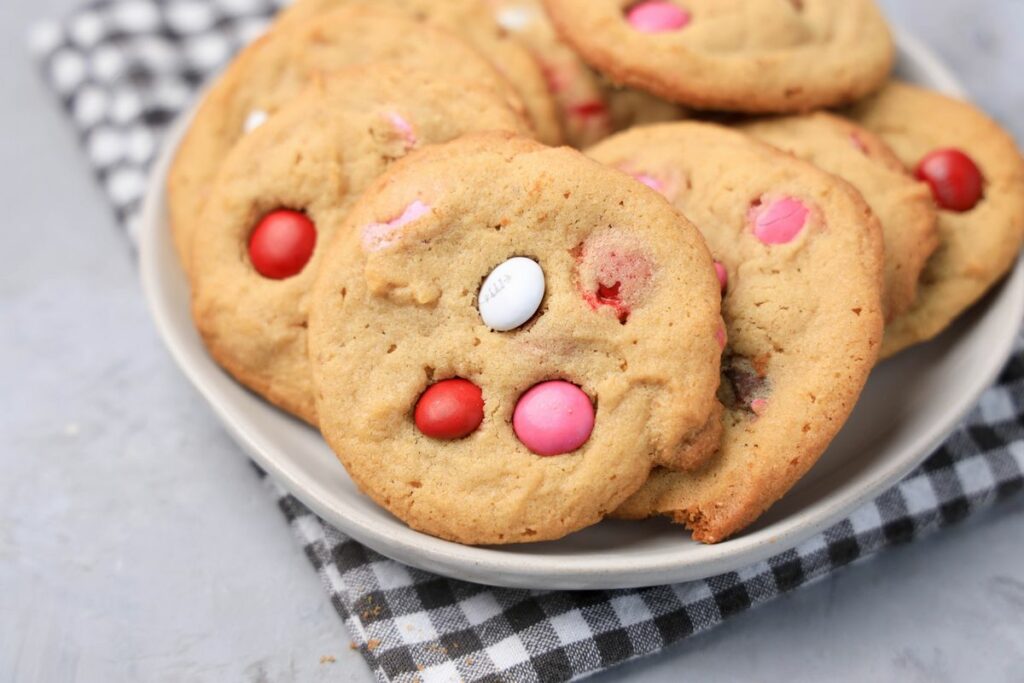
506, 340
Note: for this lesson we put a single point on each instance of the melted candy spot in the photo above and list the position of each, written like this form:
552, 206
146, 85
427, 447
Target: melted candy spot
744, 387
403, 128
378, 236
588, 110
657, 16
723, 276
556, 78
720, 337
609, 296
651, 182
858, 142
612, 272
780, 221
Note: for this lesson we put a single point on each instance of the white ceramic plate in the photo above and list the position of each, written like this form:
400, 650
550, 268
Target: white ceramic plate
910, 404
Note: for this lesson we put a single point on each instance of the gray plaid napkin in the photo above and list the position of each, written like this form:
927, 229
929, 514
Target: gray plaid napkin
124, 69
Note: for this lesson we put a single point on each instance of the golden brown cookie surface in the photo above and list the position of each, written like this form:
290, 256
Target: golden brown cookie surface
590, 108
802, 269
629, 316
902, 204
313, 157
978, 240
740, 55
269, 74
470, 20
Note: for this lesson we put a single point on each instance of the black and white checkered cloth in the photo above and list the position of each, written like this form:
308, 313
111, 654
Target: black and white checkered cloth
125, 68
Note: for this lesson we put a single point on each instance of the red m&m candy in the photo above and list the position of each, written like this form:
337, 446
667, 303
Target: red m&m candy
954, 178
450, 409
282, 244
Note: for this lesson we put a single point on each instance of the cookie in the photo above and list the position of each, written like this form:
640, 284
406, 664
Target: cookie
282, 192
508, 336
902, 204
268, 75
470, 20
590, 108
631, 107
977, 176
775, 56
801, 260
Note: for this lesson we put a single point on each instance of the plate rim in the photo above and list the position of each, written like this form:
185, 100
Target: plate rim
492, 566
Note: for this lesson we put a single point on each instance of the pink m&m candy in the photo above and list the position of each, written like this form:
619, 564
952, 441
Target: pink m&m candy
553, 418
780, 221
657, 16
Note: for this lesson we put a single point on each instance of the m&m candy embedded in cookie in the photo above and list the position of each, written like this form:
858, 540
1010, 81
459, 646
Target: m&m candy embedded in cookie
903, 206
975, 173
269, 74
752, 56
507, 337
284, 191
590, 107
802, 264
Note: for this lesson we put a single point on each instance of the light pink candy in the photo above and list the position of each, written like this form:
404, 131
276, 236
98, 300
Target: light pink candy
377, 236
720, 337
553, 418
758, 406
858, 142
780, 221
650, 181
657, 16
403, 127
723, 276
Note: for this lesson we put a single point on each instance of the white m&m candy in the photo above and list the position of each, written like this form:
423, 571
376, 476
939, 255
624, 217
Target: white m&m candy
511, 294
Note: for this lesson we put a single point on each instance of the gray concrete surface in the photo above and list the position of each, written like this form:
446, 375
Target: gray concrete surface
137, 545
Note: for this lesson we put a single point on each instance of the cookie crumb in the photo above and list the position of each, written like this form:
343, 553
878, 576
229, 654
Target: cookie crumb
329, 659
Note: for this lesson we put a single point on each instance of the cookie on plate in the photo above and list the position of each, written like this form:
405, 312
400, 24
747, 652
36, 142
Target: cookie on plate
269, 74
590, 108
507, 337
631, 107
976, 175
283, 191
470, 20
800, 261
902, 204
754, 56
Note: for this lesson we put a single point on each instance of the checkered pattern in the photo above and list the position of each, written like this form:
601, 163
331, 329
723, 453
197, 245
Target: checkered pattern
124, 68
412, 625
